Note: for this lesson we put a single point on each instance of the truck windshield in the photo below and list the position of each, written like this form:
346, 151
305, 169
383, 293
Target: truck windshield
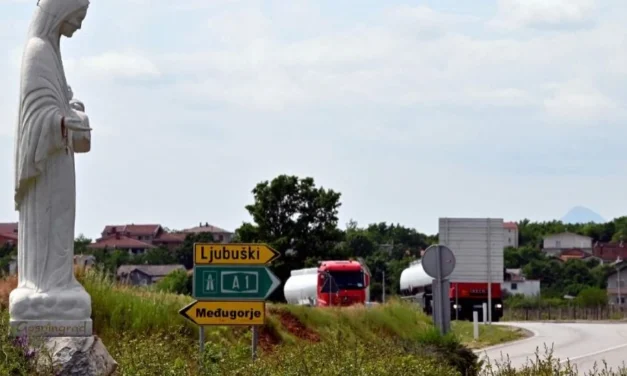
343, 281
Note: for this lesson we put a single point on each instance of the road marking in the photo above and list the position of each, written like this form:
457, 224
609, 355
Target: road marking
594, 353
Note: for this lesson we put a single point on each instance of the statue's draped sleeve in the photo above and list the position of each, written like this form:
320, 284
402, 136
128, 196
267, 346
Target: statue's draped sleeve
41, 110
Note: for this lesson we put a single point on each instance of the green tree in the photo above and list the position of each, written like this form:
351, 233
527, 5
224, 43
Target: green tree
549, 272
157, 256
177, 282
577, 272
110, 260
7, 252
184, 254
80, 245
592, 297
519, 257
297, 218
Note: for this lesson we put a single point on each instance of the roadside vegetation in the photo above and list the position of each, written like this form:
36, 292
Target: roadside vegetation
145, 334
545, 364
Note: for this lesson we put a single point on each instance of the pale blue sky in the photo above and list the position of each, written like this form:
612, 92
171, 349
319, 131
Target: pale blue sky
413, 110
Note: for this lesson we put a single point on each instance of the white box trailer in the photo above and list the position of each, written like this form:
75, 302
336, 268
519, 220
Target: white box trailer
478, 245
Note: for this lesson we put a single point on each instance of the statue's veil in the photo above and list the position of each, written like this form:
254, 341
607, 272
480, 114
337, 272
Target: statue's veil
44, 94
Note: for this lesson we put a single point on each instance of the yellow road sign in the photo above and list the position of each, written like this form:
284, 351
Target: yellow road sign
233, 254
225, 313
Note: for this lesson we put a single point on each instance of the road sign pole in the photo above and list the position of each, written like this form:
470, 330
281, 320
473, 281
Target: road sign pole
438, 281
254, 342
439, 262
489, 257
475, 325
201, 340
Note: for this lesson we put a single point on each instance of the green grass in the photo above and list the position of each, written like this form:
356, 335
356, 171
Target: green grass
489, 335
118, 309
144, 332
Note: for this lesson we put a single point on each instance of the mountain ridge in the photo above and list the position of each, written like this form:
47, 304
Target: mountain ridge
581, 214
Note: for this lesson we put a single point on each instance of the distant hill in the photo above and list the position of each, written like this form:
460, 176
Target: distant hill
579, 214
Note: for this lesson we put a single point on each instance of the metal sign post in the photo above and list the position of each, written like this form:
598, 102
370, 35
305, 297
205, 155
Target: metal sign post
489, 257
201, 339
254, 344
439, 262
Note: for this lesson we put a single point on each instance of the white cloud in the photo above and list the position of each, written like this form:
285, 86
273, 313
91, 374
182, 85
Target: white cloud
385, 65
578, 102
544, 13
109, 65
242, 91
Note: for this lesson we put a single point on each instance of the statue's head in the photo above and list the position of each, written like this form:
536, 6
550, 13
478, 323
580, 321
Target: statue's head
73, 22
67, 15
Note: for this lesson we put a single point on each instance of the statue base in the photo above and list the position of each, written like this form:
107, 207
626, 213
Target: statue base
50, 328
86, 356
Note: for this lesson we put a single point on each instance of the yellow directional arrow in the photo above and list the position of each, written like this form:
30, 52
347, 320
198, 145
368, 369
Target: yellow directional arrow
233, 254
225, 313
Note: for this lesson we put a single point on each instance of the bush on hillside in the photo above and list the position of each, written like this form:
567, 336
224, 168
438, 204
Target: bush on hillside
592, 297
176, 282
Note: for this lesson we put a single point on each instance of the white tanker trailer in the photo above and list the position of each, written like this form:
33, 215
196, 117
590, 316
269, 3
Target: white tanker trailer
416, 284
301, 287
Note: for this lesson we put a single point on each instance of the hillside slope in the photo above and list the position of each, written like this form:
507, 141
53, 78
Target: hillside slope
146, 335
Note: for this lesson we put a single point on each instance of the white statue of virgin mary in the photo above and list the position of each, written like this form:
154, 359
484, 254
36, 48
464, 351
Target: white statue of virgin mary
52, 126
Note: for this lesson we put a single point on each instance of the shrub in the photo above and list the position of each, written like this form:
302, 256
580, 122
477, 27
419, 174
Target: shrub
545, 366
14, 354
592, 297
176, 282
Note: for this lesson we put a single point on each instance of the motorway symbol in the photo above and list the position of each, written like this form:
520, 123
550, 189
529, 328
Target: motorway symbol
233, 282
235, 253
225, 312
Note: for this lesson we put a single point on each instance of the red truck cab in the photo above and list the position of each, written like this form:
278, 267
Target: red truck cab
467, 297
342, 283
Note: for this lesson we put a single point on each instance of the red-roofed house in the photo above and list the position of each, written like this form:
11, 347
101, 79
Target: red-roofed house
140, 232
219, 234
609, 252
137, 238
121, 242
8, 233
573, 253
510, 234
169, 240
142, 237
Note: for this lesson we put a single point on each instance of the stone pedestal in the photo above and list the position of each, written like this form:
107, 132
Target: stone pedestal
84, 356
51, 328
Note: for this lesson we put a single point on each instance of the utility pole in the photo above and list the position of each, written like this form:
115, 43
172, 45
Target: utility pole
383, 296
616, 265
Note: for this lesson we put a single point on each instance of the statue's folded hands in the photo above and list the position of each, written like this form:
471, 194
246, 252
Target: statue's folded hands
75, 123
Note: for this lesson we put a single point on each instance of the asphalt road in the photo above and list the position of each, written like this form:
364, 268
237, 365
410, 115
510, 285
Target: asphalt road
581, 343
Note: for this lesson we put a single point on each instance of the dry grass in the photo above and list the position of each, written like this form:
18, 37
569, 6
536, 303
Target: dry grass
6, 286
